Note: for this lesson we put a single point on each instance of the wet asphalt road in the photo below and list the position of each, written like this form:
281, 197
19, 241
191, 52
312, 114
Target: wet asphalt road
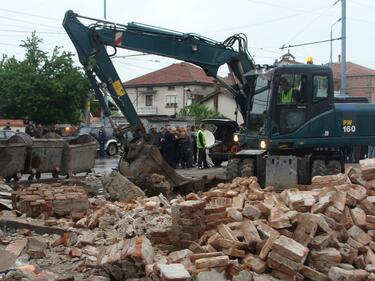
106, 164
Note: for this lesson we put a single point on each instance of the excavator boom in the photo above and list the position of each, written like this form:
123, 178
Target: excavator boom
91, 41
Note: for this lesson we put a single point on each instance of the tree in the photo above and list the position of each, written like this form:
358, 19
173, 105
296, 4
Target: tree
199, 112
45, 89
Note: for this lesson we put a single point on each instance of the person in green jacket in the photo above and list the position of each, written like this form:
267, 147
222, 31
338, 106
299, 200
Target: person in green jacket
201, 146
286, 94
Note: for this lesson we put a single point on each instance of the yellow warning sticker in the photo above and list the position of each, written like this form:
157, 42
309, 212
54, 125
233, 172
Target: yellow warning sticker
119, 89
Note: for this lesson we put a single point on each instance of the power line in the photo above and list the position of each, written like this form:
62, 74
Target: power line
19, 26
30, 15
29, 22
310, 43
308, 24
29, 31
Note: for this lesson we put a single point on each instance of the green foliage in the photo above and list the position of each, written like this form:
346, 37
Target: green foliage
199, 112
45, 89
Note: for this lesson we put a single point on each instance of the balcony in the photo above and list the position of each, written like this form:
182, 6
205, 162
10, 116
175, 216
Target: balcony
147, 110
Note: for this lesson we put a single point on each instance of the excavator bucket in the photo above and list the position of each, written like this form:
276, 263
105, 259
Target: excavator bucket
150, 161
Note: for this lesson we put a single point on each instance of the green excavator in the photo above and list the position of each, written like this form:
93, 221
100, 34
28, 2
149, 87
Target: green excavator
293, 130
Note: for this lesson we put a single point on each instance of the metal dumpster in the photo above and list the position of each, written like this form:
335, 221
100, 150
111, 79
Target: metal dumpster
79, 155
46, 156
43, 156
13, 154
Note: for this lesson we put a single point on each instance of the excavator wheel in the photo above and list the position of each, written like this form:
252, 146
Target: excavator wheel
233, 168
318, 168
247, 168
333, 167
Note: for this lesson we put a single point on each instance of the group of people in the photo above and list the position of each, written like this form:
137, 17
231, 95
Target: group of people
39, 131
181, 147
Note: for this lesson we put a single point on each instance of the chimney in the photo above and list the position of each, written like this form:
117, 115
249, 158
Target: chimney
339, 59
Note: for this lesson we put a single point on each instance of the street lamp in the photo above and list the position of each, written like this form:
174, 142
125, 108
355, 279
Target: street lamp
330, 55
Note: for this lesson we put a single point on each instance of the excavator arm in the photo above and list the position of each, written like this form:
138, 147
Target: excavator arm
91, 41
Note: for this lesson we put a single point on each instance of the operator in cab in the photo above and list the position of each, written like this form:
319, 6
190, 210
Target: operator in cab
286, 94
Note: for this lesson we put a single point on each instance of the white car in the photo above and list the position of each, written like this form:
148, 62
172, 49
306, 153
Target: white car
111, 143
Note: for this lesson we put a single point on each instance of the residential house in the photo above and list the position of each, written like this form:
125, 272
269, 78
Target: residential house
221, 100
360, 80
166, 91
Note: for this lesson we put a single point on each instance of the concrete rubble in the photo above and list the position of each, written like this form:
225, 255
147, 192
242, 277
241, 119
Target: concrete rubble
234, 231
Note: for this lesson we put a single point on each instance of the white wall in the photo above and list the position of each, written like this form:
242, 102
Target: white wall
159, 98
226, 106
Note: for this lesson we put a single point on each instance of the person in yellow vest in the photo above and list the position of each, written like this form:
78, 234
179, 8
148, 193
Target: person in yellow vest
286, 94
201, 146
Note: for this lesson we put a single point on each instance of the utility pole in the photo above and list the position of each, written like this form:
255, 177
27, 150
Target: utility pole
105, 9
105, 119
343, 48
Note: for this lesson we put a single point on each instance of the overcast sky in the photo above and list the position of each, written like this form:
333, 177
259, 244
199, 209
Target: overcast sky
268, 24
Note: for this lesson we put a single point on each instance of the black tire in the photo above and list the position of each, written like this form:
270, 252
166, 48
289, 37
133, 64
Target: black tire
333, 167
247, 168
112, 149
233, 168
318, 168
217, 162
38, 175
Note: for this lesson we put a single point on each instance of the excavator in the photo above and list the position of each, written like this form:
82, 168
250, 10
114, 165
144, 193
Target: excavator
293, 129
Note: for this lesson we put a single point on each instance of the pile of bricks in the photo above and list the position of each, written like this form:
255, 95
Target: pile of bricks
50, 200
126, 259
325, 231
238, 231
188, 222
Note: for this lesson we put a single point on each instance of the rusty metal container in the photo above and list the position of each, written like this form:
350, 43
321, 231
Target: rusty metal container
79, 155
13, 153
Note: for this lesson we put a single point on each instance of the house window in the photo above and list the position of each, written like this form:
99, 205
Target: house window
150, 88
149, 100
171, 101
204, 87
170, 88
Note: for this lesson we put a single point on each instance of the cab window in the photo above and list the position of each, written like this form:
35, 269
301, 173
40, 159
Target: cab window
320, 87
292, 89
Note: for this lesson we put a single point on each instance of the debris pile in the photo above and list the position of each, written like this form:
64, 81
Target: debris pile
50, 200
120, 188
234, 231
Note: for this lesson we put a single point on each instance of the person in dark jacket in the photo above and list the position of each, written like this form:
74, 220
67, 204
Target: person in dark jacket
7, 127
185, 150
170, 147
102, 138
193, 136
161, 135
30, 129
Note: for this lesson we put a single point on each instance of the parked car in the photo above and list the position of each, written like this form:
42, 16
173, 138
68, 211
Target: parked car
6, 134
111, 143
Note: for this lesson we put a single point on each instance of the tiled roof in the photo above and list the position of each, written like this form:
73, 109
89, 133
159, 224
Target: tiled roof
352, 69
178, 73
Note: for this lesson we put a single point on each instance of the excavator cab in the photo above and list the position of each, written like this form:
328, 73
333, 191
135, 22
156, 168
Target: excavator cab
287, 98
